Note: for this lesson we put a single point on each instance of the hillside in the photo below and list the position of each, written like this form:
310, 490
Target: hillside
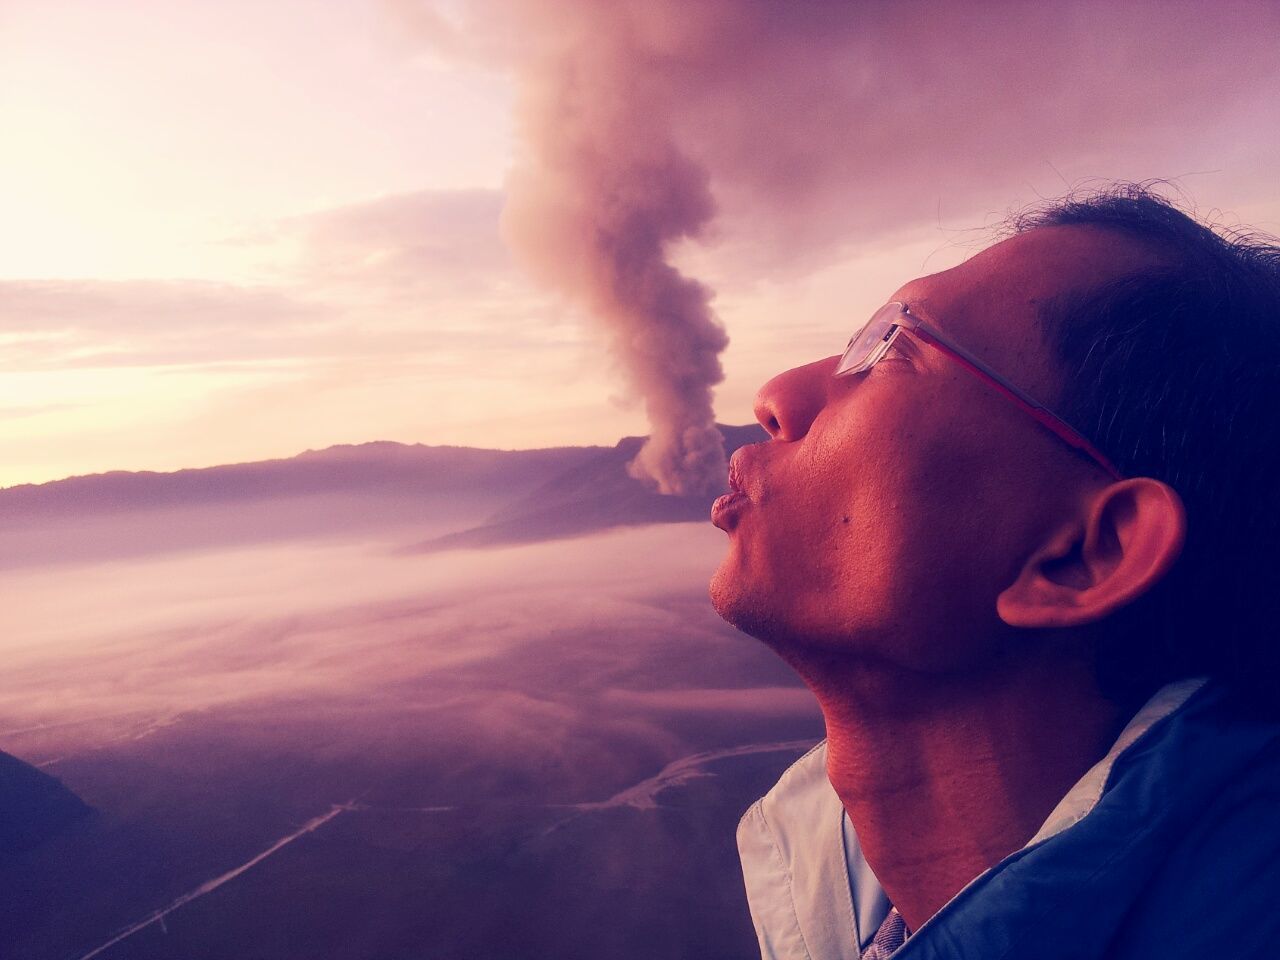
379, 467
33, 806
594, 495
434, 497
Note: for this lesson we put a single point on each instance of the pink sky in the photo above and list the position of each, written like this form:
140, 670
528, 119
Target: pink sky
235, 231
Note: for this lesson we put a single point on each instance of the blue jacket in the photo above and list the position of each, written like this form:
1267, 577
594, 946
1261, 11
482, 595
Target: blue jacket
1168, 848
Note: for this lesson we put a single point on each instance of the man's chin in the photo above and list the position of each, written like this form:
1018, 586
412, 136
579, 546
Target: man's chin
721, 595
726, 586
738, 604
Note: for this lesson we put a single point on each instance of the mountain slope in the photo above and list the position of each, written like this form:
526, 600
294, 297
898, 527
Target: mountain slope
595, 495
342, 492
33, 806
376, 467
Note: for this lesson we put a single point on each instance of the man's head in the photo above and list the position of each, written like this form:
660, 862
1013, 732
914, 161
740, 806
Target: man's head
912, 515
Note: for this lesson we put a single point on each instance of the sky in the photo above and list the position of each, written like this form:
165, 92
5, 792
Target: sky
236, 231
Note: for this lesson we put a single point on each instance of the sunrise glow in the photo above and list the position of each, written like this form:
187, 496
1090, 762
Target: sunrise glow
236, 231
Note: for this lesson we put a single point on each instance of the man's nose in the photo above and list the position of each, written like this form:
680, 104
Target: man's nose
787, 405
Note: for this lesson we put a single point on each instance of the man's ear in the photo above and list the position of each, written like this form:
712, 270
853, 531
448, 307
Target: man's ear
1129, 538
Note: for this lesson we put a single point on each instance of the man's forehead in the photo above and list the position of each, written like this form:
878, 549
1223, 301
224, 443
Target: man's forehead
992, 301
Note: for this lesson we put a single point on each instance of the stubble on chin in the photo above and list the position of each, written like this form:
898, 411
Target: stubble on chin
748, 609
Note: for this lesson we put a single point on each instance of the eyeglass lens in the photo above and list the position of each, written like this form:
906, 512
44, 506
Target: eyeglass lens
869, 344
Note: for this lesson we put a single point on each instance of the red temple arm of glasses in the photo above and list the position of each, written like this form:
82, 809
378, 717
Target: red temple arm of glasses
1048, 420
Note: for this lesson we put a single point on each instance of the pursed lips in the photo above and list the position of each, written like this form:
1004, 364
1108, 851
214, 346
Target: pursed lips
725, 511
745, 475
735, 471
735, 474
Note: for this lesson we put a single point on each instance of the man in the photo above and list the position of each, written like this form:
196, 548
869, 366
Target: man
1021, 542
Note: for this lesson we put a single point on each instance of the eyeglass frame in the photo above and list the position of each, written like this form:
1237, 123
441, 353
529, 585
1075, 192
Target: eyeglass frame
904, 319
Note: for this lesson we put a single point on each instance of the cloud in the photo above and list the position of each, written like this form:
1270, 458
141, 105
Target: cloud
793, 132
827, 125
753, 700
438, 243
418, 273
576, 667
55, 324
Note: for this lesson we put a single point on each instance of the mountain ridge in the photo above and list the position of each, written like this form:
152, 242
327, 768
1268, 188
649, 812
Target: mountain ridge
596, 495
340, 468
440, 497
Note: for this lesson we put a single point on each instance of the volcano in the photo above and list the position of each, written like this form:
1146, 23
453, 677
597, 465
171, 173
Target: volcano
587, 497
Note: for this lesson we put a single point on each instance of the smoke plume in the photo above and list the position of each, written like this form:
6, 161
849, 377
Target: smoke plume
598, 199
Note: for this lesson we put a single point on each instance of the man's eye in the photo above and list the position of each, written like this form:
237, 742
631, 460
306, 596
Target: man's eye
896, 352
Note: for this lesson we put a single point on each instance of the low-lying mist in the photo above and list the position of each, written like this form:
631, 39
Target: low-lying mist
567, 723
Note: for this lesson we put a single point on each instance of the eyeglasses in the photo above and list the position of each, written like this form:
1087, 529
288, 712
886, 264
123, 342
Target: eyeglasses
871, 343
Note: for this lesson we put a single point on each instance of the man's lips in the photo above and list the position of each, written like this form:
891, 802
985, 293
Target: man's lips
743, 473
725, 511
735, 473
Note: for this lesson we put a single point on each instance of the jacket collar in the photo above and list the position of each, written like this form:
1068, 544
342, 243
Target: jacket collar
810, 890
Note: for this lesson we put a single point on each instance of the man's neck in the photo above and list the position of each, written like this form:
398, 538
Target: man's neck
944, 776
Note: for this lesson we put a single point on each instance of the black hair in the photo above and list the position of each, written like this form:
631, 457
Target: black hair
1173, 371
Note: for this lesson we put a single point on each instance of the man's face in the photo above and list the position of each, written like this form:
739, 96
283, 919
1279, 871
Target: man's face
892, 507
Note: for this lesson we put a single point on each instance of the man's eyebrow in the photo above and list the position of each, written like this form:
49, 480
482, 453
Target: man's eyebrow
920, 310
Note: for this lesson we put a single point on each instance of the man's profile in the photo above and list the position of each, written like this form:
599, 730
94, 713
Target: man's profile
1020, 540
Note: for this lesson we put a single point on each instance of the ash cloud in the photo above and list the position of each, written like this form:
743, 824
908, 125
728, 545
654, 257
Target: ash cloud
791, 134
598, 199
